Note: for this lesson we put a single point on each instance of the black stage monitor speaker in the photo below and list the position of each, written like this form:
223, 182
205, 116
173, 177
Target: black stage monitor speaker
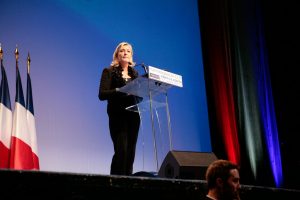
186, 164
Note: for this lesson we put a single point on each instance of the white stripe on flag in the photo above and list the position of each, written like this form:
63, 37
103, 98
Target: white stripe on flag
20, 127
5, 125
32, 131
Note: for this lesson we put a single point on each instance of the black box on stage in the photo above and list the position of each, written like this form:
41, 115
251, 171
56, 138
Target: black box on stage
186, 164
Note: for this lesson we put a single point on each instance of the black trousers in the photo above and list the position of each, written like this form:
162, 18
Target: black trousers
124, 129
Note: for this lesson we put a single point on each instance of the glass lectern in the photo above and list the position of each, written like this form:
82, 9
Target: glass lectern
152, 89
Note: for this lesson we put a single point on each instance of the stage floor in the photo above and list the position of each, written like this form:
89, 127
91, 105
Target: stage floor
55, 185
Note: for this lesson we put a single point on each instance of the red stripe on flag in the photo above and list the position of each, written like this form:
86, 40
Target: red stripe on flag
5, 135
21, 155
4, 152
36, 161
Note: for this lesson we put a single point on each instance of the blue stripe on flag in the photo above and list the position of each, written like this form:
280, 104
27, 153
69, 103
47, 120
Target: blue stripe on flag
29, 98
4, 90
19, 90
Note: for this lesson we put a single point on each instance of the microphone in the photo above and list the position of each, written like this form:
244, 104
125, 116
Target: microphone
143, 66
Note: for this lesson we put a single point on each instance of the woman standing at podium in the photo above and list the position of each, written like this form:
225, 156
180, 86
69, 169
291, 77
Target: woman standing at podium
123, 124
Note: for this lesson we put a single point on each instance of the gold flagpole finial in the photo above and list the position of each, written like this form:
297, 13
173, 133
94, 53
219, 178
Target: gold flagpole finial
17, 56
28, 63
17, 53
1, 52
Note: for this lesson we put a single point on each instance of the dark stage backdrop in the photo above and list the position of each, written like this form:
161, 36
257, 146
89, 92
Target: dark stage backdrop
250, 53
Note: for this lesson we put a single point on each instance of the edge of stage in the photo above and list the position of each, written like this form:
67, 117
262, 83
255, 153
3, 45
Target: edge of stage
61, 185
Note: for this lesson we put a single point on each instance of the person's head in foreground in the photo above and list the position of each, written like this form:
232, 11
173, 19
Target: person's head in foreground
223, 180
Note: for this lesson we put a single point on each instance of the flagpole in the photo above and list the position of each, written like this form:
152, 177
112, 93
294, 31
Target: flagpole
30, 118
17, 56
1, 54
28, 63
5, 117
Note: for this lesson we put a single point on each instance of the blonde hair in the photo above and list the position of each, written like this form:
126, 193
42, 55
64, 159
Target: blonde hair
115, 61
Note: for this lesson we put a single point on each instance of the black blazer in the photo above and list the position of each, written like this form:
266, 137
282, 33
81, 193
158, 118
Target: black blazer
111, 79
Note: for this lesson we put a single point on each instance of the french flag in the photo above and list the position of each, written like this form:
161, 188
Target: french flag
5, 120
21, 156
31, 121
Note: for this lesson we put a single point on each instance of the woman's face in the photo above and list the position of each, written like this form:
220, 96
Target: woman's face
125, 54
